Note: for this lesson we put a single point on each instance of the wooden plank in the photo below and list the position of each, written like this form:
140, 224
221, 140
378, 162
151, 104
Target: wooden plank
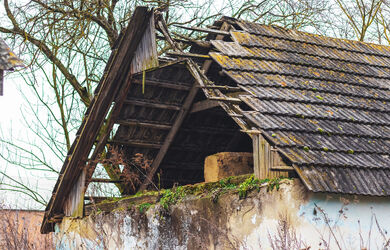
205, 30
256, 156
143, 124
225, 99
267, 161
203, 105
222, 87
137, 144
148, 104
187, 55
164, 84
146, 55
74, 204
282, 168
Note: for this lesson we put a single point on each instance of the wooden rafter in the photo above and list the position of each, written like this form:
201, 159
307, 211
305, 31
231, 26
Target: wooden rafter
203, 105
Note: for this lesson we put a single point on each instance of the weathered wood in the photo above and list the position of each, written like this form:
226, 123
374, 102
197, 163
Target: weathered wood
282, 168
188, 55
203, 105
225, 99
256, 156
168, 85
101, 143
146, 55
267, 162
205, 30
222, 87
136, 144
74, 203
145, 103
143, 124
235, 115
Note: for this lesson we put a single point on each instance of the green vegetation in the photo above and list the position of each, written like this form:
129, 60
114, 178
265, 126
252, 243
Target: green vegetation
252, 183
170, 196
144, 206
235, 184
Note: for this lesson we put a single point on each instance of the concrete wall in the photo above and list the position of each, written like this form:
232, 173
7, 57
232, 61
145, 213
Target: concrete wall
288, 218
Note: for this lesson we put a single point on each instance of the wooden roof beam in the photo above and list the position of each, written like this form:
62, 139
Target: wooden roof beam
136, 144
203, 105
205, 30
143, 124
146, 103
168, 85
187, 55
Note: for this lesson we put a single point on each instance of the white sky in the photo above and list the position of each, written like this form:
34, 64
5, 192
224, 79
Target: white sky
11, 123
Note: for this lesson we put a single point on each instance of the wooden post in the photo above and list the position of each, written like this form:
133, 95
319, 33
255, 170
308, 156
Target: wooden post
256, 161
265, 159
74, 204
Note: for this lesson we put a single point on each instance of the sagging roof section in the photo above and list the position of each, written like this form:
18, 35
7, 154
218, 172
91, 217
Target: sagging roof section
8, 61
323, 102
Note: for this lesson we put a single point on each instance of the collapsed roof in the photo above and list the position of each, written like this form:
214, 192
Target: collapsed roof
321, 102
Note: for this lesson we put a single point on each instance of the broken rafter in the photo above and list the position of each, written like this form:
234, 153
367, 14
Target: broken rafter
206, 30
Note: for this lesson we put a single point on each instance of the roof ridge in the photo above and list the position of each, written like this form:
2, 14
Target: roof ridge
300, 32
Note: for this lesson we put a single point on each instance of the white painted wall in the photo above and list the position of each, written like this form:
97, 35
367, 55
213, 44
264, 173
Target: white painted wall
321, 221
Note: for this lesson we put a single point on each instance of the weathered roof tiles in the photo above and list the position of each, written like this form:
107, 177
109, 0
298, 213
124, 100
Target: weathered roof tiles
322, 102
